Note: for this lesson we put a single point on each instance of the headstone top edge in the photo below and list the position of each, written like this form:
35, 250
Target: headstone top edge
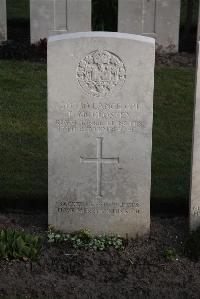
97, 34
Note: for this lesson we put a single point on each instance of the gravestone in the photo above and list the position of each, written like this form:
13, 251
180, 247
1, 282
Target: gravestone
100, 109
3, 21
47, 17
156, 18
51, 17
195, 176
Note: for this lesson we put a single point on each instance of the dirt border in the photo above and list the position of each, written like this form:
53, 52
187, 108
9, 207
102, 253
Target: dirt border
140, 271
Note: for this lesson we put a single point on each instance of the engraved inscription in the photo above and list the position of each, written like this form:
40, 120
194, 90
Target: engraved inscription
111, 208
100, 72
85, 117
99, 161
71, 126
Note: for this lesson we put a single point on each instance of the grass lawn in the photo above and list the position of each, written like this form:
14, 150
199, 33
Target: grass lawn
172, 133
23, 131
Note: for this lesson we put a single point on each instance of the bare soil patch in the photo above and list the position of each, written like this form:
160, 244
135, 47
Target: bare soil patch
140, 271
175, 60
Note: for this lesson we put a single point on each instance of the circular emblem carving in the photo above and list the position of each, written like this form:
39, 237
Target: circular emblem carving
100, 72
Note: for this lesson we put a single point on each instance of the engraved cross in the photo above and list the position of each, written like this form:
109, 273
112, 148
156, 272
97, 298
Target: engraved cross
99, 161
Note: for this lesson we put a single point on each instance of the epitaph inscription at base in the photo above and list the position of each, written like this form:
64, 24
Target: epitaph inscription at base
100, 108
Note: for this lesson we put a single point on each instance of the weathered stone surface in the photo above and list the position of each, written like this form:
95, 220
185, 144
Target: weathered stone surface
100, 109
46, 16
156, 18
51, 17
195, 176
3, 21
79, 15
168, 24
136, 16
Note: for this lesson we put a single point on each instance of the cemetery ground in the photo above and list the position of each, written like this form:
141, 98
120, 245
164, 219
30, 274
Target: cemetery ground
24, 135
154, 267
146, 267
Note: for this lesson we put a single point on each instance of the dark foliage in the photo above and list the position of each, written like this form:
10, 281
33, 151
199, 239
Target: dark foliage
18, 245
104, 15
23, 50
188, 25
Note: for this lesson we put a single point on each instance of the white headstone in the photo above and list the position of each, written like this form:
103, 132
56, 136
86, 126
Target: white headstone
51, 17
79, 15
100, 110
3, 21
47, 17
195, 176
156, 18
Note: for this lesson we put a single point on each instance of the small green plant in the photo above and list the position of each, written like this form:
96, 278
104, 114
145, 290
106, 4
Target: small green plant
170, 254
18, 245
192, 245
83, 239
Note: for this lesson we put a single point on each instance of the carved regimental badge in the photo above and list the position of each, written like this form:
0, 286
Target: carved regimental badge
100, 72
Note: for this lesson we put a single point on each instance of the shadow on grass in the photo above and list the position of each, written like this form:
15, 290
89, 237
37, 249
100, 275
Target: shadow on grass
23, 131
